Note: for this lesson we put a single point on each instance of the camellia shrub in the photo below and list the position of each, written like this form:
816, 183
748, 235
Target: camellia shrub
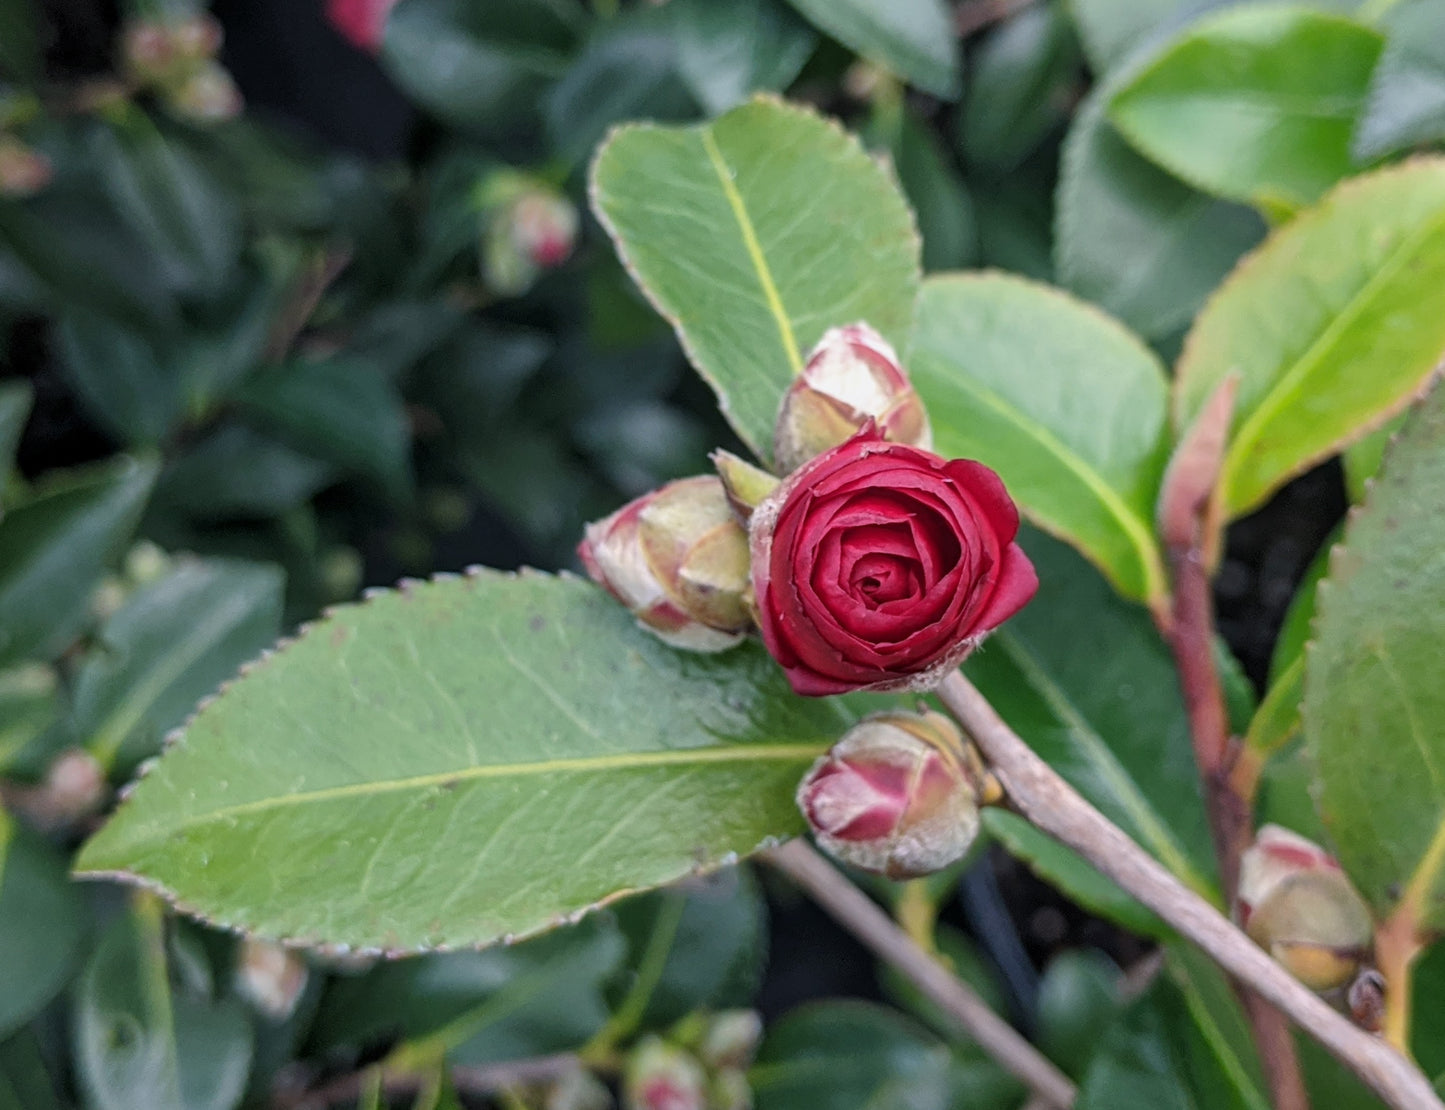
996, 371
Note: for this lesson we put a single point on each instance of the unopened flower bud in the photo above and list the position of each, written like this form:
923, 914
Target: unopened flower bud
209, 95
731, 1038
746, 484
196, 38
1296, 903
898, 795
73, 789
678, 559
23, 171
661, 1076
852, 376
533, 231
579, 1089
270, 976
147, 51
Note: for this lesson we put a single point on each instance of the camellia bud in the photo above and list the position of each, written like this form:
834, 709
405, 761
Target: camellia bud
852, 376
746, 484
661, 1076
532, 231
270, 976
898, 795
730, 1039
578, 1089
23, 171
678, 559
209, 95
147, 50
1296, 903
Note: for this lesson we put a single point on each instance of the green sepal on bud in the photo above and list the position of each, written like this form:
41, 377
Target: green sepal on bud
745, 484
898, 795
1296, 903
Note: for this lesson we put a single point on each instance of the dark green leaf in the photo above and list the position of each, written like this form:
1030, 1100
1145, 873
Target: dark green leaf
913, 39
383, 780
236, 472
848, 1055
750, 279
1078, 997
172, 643
15, 398
1427, 1018
22, 57
1406, 102
939, 197
1084, 678
1255, 104
726, 51
1066, 405
25, 1081
1374, 694
28, 704
1109, 29
121, 377
53, 548
42, 924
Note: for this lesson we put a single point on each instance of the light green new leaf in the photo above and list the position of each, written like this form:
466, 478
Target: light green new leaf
54, 547
1331, 326
172, 643
753, 235
1256, 104
1374, 701
1083, 677
461, 761
1068, 406
914, 39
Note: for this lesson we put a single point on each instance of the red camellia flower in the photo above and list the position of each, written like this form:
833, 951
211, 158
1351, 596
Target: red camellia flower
361, 21
879, 566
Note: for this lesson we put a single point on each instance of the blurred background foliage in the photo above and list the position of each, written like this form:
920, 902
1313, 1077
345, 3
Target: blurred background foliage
296, 298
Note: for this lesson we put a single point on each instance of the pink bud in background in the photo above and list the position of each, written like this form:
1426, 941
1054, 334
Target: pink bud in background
662, 1076
23, 171
678, 559
898, 795
363, 22
270, 976
533, 231
852, 376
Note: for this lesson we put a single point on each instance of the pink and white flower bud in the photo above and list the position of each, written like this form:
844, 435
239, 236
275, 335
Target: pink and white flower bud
678, 559
533, 231
898, 795
147, 50
208, 95
23, 171
197, 38
270, 976
731, 1038
852, 376
1296, 903
661, 1076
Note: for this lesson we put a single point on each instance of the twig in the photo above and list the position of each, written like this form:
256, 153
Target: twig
1055, 807
302, 301
471, 1080
861, 916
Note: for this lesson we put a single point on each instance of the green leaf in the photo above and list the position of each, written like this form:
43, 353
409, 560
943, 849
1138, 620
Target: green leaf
1109, 29
1331, 326
15, 399
53, 548
847, 1055
1071, 874
767, 253
25, 1081
1374, 694
1295, 632
42, 924
505, 1003
1362, 458
725, 52
481, 67
1136, 240
1254, 104
938, 195
1078, 996
1406, 101
957, 950
913, 39
29, 702
1427, 1019
386, 781
238, 473
1069, 408
21, 56
172, 643
140, 1042
339, 410
121, 377
1083, 677
1019, 88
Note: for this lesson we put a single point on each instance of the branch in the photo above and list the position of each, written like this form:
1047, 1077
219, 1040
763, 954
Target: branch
1056, 808
487, 1080
862, 917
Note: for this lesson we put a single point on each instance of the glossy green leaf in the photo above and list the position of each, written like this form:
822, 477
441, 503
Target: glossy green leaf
846, 1055
461, 761
1375, 681
1078, 997
760, 254
1331, 326
1406, 101
53, 548
29, 701
172, 643
1256, 104
1134, 239
505, 1003
1295, 632
481, 67
1068, 407
140, 1042
1019, 87
42, 924
1362, 458
1083, 677
1071, 874
725, 52
15, 398
239, 473
1109, 29
939, 197
1427, 1019
339, 410
25, 1080
913, 39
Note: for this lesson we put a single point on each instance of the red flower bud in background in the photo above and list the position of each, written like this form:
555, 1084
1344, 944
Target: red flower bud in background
678, 559
531, 227
878, 566
363, 22
662, 1076
1296, 903
23, 171
898, 795
270, 976
852, 376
